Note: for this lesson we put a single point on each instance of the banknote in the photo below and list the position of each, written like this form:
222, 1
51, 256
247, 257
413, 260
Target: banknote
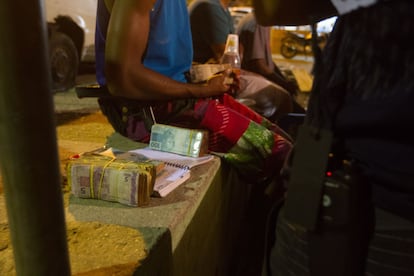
202, 72
109, 179
184, 141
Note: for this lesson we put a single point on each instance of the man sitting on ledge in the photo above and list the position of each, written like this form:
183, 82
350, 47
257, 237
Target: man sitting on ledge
143, 55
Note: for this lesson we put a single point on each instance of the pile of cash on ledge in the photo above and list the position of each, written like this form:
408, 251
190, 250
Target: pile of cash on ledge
178, 140
107, 178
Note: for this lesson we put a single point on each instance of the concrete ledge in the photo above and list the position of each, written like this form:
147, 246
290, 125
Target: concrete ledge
173, 212
195, 230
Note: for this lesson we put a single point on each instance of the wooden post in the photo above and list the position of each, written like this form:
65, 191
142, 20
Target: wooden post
28, 146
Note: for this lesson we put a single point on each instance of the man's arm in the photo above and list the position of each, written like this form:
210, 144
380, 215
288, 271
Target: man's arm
127, 39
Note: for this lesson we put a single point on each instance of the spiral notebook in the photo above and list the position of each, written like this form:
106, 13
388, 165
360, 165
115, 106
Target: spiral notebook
176, 171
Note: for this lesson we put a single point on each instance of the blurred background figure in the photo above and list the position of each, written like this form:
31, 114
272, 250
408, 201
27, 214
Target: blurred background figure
257, 56
211, 23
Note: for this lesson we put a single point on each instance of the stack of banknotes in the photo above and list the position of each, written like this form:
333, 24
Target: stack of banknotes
184, 141
202, 72
112, 179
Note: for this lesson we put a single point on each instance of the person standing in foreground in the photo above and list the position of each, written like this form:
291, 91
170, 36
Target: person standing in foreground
363, 93
144, 52
211, 23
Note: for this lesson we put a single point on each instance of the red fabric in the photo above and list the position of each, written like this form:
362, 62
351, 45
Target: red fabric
226, 126
229, 123
230, 102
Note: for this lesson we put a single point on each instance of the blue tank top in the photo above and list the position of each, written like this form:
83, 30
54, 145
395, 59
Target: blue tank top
169, 50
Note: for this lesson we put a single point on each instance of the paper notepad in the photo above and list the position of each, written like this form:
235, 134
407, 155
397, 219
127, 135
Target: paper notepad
176, 171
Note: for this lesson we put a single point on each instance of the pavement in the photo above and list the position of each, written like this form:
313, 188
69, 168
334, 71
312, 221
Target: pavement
80, 127
67, 101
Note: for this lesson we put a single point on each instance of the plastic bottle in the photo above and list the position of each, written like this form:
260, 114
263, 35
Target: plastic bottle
231, 56
231, 52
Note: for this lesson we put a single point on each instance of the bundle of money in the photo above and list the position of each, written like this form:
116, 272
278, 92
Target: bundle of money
118, 180
184, 141
202, 72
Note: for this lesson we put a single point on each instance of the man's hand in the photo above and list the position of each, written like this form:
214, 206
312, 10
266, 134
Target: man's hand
225, 82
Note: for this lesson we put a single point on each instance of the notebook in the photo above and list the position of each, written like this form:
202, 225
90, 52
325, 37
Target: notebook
176, 170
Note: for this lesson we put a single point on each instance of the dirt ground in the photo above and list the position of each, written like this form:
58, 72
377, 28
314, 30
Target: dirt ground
94, 248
